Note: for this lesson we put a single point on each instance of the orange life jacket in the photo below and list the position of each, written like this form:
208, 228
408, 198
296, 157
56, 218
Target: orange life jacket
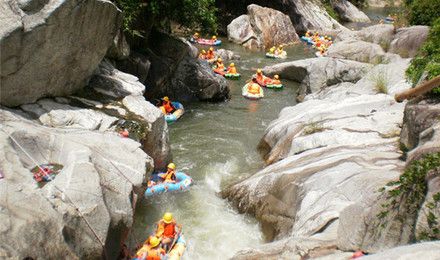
169, 176
168, 107
232, 70
210, 55
254, 88
276, 82
155, 253
220, 65
166, 230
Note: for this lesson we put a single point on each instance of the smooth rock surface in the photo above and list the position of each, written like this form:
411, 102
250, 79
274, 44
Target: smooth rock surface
408, 40
348, 12
381, 34
427, 250
358, 51
262, 28
42, 46
90, 181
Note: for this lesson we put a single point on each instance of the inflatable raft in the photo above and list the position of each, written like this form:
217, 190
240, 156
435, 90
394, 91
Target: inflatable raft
182, 183
46, 172
319, 54
275, 86
307, 40
220, 71
248, 95
283, 55
173, 117
175, 253
209, 42
232, 76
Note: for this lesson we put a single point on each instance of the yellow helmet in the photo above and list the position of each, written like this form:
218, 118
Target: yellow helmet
166, 98
258, 71
276, 77
197, 34
219, 60
211, 49
203, 51
214, 37
232, 65
171, 166
154, 241
167, 217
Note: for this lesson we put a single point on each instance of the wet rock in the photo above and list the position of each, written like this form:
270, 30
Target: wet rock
348, 12
119, 50
227, 55
262, 28
98, 186
44, 44
176, 72
358, 51
408, 40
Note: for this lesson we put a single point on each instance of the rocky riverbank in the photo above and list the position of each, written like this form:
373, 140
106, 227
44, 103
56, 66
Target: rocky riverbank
329, 157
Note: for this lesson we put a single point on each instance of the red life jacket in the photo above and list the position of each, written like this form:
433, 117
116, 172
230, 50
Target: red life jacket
169, 230
168, 107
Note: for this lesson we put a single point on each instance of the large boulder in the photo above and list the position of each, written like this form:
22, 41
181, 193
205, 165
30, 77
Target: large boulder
317, 73
358, 51
408, 40
263, 28
51, 48
381, 34
176, 72
348, 12
86, 210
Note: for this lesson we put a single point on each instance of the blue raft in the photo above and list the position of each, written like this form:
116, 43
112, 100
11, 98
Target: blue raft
183, 182
176, 114
308, 40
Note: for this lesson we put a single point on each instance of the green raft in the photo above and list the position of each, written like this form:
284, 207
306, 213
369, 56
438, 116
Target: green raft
232, 76
274, 86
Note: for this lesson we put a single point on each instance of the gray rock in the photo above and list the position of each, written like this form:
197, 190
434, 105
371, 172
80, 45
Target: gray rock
227, 55
90, 187
119, 50
136, 64
318, 73
381, 34
419, 116
358, 51
177, 72
42, 47
114, 83
262, 28
408, 40
427, 250
348, 12
384, 3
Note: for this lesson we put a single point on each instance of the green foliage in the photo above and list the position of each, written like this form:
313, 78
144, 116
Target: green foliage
407, 194
194, 14
330, 10
423, 12
428, 59
360, 3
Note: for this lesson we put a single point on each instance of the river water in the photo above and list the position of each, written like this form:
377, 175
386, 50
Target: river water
216, 145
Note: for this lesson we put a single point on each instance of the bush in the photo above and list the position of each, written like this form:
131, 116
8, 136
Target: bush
428, 59
194, 14
423, 12
380, 83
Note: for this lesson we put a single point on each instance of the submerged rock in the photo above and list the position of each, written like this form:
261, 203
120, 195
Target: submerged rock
50, 48
262, 28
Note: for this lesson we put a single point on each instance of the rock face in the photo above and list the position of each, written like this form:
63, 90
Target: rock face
348, 12
358, 51
262, 28
381, 34
119, 50
101, 178
317, 73
41, 45
176, 72
407, 41
320, 177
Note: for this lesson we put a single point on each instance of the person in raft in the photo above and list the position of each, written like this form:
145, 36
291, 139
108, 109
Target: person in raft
210, 54
261, 79
279, 51
167, 107
151, 250
276, 80
202, 55
253, 87
219, 64
213, 39
170, 175
272, 50
231, 69
196, 36
167, 230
